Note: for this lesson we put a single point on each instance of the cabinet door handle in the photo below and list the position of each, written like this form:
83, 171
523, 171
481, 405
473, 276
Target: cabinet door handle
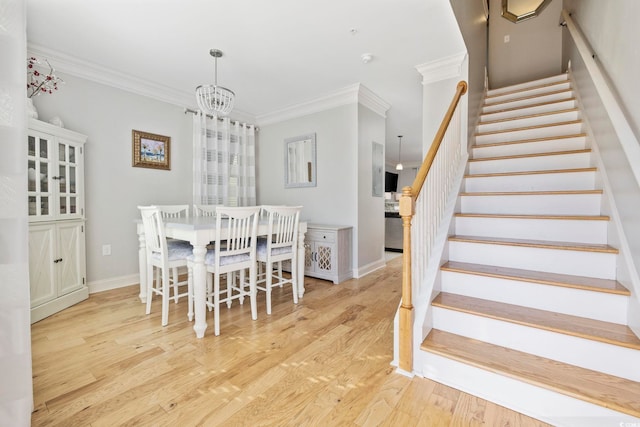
57, 260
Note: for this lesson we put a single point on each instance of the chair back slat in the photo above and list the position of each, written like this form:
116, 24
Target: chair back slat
173, 211
204, 210
283, 226
242, 226
154, 232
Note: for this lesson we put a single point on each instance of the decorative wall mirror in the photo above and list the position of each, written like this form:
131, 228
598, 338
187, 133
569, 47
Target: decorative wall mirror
521, 10
300, 161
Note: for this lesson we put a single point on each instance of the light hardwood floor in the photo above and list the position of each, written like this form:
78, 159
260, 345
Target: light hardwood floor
322, 362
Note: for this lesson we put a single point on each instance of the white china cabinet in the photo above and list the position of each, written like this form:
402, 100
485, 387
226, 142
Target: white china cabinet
57, 260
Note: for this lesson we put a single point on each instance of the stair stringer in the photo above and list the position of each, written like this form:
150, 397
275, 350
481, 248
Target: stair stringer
626, 272
428, 284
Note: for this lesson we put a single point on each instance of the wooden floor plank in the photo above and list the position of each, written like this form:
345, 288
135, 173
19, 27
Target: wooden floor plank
597, 330
612, 392
104, 362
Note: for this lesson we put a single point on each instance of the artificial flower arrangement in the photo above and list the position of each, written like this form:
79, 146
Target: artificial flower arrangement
39, 82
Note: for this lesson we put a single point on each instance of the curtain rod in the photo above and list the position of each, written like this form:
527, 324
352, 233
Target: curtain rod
189, 110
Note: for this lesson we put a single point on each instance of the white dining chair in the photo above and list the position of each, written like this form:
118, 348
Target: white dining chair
234, 251
281, 244
204, 210
160, 259
175, 211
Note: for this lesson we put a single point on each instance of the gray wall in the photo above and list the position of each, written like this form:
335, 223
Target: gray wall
473, 26
113, 187
534, 50
606, 23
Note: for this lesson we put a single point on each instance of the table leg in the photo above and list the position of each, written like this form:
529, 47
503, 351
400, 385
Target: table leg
301, 254
142, 265
199, 290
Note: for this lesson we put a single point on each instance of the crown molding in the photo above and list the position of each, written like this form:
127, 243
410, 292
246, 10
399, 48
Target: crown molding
353, 94
91, 71
442, 69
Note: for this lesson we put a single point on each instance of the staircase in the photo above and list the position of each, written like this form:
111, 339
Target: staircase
529, 313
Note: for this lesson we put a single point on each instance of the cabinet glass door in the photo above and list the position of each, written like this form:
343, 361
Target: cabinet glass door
39, 176
67, 179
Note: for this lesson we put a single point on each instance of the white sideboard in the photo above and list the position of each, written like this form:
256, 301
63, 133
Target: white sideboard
328, 252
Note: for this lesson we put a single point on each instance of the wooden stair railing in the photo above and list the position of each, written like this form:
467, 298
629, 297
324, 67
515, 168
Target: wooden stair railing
407, 211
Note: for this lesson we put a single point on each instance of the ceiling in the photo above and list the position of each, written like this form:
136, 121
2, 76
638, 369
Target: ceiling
277, 53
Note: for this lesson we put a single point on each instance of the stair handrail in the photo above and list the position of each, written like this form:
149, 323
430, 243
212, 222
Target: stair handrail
407, 211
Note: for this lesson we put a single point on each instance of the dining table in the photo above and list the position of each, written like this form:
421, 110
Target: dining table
200, 231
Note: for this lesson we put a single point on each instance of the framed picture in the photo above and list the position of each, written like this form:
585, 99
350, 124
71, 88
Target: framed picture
151, 150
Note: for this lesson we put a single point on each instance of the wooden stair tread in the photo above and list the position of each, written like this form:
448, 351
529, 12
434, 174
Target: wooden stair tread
528, 116
540, 104
534, 216
524, 98
616, 393
526, 156
541, 277
524, 141
542, 244
526, 89
541, 172
531, 193
534, 127
581, 327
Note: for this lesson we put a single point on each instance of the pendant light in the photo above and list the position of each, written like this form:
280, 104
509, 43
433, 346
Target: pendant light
399, 165
214, 99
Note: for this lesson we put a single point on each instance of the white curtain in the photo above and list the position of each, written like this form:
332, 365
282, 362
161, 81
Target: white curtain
223, 162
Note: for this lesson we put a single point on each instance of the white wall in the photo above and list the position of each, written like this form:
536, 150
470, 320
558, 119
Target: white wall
607, 23
113, 187
16, 396
534, 50
611, 28
371, 128
332, 200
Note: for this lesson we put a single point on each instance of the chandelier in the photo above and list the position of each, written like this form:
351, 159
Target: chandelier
214, 99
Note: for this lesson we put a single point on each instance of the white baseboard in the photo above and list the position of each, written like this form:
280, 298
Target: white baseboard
113, 283
369, 268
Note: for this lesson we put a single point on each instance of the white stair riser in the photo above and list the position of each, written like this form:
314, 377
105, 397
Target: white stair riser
557, 230
564, 204
560, 96
530, 84
532, 182
528, 92
535, 163
519, 135
564, 144
534, 109
576, 302
578, 263
528, 121
576, 351
540, 403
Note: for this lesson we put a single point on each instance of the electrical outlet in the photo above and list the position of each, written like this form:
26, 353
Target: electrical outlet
106, 249
507, 38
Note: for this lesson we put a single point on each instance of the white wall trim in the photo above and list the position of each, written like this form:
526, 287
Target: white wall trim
353, 94
113, 283
442, 69
369, 268
127, 82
